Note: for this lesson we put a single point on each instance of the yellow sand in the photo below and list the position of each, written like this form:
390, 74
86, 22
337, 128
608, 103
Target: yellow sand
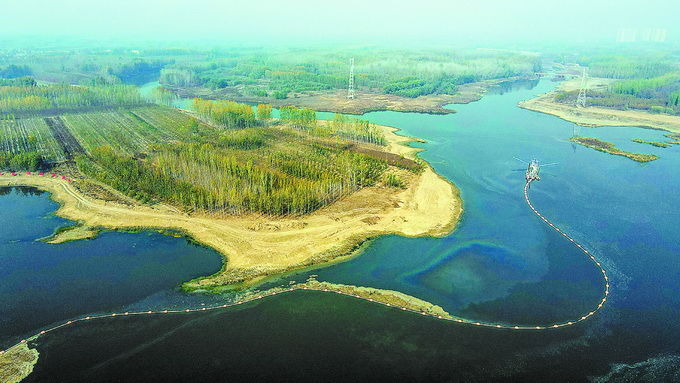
394, 298
257, 246
596, 116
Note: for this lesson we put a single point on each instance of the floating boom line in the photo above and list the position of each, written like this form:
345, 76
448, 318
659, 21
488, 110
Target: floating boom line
265, 294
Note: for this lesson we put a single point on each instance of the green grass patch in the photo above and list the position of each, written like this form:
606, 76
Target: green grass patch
653, 143
608, 147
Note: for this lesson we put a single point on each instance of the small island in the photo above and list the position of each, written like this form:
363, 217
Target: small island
653, 143
675, 138
610, 148
17, 363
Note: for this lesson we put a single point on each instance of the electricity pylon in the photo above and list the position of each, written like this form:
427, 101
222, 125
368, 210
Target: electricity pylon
350, 90
581, 99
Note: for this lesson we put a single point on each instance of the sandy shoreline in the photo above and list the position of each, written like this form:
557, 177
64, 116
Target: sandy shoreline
256, 246
597, 116
389, 297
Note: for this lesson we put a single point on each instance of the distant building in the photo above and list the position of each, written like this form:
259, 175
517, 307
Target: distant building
632, 35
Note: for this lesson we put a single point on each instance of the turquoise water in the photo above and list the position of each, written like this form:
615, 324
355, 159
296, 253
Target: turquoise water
501, 264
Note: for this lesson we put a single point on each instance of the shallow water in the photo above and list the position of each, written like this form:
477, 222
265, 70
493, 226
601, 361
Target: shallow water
502, 264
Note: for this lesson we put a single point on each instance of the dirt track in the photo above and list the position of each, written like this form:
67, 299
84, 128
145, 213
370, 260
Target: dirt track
258, 246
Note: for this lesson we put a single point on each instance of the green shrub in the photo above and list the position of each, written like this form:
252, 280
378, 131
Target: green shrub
392, 180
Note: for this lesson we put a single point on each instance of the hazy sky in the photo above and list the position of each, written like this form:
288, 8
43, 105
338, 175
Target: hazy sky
368, 21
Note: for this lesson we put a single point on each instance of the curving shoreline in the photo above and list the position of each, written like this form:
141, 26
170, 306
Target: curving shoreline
255, 246
18, 361
598, 116
335, 101
388, 298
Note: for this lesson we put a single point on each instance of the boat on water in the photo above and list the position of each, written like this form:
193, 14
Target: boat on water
532, 171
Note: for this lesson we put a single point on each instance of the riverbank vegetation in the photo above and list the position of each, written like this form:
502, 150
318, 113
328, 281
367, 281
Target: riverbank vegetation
273, 72
674, 138
653, 143
227, 158
644, 81
227, 114
30, 161
341, 126
290, 174
28, 100
608, 147
290, 72
387, 297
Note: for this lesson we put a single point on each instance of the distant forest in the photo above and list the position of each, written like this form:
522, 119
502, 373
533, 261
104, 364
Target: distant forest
277, 74
223, 158
281, 74
644, 81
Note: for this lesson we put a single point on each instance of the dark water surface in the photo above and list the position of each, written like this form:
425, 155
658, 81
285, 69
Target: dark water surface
41, 283
502, 264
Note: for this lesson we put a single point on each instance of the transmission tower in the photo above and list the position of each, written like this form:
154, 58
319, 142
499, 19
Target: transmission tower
581, 99
350, 90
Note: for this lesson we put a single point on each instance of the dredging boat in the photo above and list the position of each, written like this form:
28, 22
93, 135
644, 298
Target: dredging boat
532, 171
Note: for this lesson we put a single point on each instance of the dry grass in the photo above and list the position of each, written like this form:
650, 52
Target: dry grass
596, 116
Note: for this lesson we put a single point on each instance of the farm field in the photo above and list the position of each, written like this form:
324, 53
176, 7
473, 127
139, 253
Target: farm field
62, 137
160, 154
29, 135
125, 131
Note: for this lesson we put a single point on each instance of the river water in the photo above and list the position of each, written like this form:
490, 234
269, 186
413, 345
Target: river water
502, 264
42, 283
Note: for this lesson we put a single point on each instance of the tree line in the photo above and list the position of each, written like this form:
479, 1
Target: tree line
398, 72
201, 177
63, 96
299, 118
163, 96
14, 71
357, 130
228, 114
24, 161
341, 126
647, 87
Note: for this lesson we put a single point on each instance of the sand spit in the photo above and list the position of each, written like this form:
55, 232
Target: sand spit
257, 246
387, 297
596, 116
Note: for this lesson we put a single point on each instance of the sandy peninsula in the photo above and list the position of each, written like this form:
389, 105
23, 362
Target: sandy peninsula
257, 246
597, 116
